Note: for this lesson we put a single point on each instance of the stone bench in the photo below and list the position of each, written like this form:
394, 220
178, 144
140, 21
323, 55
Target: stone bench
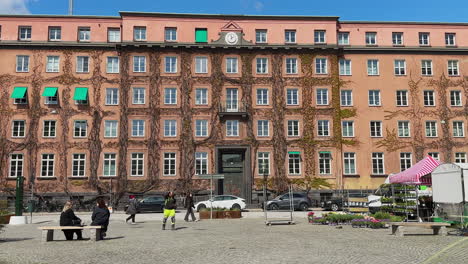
438, 228
48, 231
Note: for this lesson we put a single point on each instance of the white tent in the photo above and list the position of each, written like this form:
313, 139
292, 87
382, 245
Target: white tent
450, 183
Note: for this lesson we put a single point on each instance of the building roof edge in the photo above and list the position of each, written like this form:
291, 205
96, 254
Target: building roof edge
61, 16
405, 23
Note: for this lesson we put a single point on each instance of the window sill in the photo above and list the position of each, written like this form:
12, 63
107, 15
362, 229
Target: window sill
12, 178
137, 176
454, 76
46, 178
351, 175
108, 177
77, 178
379, 175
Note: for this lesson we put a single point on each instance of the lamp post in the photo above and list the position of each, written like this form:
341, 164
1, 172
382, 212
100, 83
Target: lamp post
265, 175
19, 196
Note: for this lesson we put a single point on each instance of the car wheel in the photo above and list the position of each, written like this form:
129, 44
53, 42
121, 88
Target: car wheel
303, 207
274, 207
201, 206
236, 206
334, 207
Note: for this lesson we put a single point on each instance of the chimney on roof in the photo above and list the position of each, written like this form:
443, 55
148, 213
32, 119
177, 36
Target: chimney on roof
70, 7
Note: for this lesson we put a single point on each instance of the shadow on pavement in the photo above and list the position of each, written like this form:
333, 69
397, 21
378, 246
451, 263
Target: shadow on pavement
112, 238
3, 240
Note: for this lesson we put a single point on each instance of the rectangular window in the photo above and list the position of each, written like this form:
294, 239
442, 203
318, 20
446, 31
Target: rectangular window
397, 38
16, 165
405, 161
376, 128
139, 64
293, 128
170, 128
139, 33
402, 98
201, 96
169, 164
290, 36
321, 66
374, 98
262, 96
139, 95
170, 34
371, 38
452, 68
170, 64
263, 163
346, 97
458, 129
291, 65
292, 97
347, 128
349, 162
138, 166
112, 65
372, 67
400, 67
345, 67
319, 36
262, 65
434, 155
261, 36
170, 96
429, 99
450, 39
47, 165
232, 100
378, 163
112, 96
55, 33
460, 157
424, 39
294, 164
78, 165
431, 129
201, 128
426, 67
82, 64
138, 128
113, 34
263, 128
201, 163
80, 128
81, 96
232, 128
18, 128
22, 63
49, 128
455, 98
110, 128
323, 128
201, 35
51, 95
343, 38
52, 64
84, 34
324, 163
24, 33
201, 64
322, 97
403, 128
110, 165
231, 65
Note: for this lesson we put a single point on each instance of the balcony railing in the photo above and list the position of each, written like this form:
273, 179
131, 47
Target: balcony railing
233, 109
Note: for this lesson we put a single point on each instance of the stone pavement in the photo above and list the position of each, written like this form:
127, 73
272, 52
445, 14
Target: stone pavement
246, 240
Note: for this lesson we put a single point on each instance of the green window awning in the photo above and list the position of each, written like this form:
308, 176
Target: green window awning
19, 92
201, 35
81, 93
325, 152
50, 91
294, 152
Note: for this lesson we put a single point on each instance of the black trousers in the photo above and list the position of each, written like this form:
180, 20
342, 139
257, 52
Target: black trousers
131, 217
69, 234
189, 212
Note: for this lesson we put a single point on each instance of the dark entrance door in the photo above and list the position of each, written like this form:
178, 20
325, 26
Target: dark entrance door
231, 164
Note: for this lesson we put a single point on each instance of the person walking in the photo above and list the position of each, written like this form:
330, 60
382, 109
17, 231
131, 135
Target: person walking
170, 205
101, 216
189, 206
68, 218
132, 209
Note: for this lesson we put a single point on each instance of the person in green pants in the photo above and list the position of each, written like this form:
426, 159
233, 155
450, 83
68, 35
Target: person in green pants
170, 205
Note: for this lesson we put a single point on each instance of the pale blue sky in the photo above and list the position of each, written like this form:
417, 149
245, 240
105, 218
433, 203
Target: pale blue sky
394, 10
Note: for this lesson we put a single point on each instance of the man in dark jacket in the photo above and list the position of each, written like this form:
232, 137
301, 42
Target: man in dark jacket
170, 206
101, 216
190, 206
132, 209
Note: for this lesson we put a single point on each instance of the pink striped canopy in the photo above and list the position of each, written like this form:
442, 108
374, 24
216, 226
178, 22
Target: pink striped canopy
414, 175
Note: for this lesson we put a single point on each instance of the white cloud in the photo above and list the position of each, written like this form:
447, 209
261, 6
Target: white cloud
14, 7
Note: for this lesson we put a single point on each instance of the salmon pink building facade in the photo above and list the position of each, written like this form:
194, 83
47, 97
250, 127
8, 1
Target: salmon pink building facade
150, 101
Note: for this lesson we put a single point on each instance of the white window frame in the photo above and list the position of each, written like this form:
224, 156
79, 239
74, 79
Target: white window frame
139, 63
112, 96
111, 126
22, 63
263, 163
114, 35
371, 38
201, 128
429, 98
458, 128
137, 164
78, 129
453, 68
343, 38
424, 39
349, 163
320, 36
170, 96
170, 164
107, 162
291, 65
170, 128
397, 38
294, 163
290, 36
55, 33
53, 63
323, 128
170, 34
18, 128
49, 160
50, 129
138, 127
431, 129
460, 157
293, 128
426, 68
139, 95
232, 65
399, 67
261, 36
292, 96
401, 98
262, 96
372, 67
345, 67
347, 128
325, 163
346, 97
113, 64
263, 128
84, 34
82, 64
201, 64
450, 39
170, 64
404, 128
321, 66
201, 96
78, 165
24, 33
261, 65
406, 160
139, 33
379, 159
201, 163
374, 98
16, 165
232, 128
322, 97
376, 129
434, 155
455, 98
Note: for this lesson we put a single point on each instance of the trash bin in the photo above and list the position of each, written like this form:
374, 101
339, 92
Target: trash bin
31, 206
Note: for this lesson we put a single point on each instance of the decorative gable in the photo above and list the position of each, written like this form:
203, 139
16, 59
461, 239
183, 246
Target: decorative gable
231, 26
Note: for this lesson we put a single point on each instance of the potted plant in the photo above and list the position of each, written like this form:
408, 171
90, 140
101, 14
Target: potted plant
310, 216
205, 213
5, 216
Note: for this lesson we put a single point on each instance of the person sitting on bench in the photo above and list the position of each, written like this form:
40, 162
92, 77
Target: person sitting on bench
68, 218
